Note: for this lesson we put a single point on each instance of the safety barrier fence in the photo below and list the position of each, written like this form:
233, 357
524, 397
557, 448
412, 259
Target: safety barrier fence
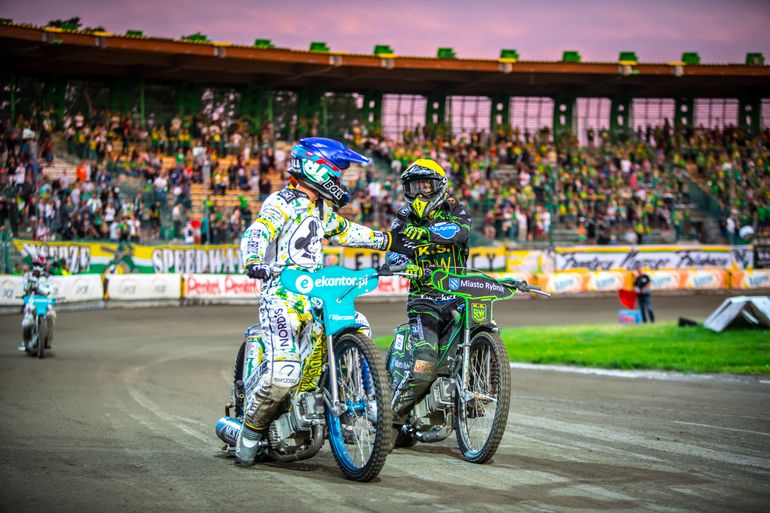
212, 288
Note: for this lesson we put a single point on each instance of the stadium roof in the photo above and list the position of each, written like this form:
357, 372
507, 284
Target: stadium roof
39, 51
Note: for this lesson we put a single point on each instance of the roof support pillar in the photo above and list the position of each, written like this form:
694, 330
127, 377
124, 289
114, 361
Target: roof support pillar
684, 113
435, 113
620, 117
371, 111
750, 115
188, 99
563, 116
308, 110
499, 115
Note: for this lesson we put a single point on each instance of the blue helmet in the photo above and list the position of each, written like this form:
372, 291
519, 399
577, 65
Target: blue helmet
318, 163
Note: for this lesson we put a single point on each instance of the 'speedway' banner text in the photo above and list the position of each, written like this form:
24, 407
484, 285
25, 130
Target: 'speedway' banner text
113, 258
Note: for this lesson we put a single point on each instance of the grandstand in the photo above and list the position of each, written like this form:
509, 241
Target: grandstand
545, 152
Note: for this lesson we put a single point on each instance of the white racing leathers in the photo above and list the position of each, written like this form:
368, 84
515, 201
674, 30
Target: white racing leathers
288, 232
40, 285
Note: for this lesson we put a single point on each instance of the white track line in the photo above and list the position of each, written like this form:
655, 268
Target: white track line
722, 428
628, 438
642, 374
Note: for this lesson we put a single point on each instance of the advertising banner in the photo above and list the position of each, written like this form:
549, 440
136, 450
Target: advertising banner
528, 277
706, 279
666, 280
219, 286
391, 286
482, 258
127, 287
10, 290
78, 257
562, 283
606, 281
524, 261
124, 258
762, 256
609, 258
488, 258
756, 279
66, 289
71, 289
356, 258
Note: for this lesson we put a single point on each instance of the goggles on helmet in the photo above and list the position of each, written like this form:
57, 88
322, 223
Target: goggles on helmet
425, 187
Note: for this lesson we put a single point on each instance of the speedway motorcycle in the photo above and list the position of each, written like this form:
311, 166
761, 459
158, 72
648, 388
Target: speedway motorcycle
343, 394
39, 333
472, 390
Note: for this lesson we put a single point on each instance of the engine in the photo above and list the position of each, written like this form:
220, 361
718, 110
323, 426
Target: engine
435, 407
292, 430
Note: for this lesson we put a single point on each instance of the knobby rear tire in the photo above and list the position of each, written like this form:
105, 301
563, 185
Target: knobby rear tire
42, 333
354, 341
499, 384
238, 375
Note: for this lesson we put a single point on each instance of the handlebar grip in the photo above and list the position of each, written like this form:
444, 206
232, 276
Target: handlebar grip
534, 287
387, 270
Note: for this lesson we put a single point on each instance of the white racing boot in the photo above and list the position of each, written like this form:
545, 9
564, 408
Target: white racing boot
248, 448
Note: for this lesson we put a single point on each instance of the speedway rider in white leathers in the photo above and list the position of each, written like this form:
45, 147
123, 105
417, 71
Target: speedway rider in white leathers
36, 282
288, 231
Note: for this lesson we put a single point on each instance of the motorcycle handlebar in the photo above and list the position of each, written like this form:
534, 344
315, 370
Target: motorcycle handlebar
388, 270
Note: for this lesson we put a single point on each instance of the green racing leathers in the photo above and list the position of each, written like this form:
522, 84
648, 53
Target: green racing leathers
441, 242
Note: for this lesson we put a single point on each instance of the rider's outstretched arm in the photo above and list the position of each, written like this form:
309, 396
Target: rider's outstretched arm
347, 233
393, 258
264, 230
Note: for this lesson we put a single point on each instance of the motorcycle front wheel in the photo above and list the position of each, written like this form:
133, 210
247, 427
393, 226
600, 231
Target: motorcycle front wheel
480, 419
30, 344
360, 436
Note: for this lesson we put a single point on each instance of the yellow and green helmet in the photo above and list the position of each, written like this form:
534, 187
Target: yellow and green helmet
424, 183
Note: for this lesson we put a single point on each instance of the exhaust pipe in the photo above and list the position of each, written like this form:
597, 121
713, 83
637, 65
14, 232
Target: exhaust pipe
228, 430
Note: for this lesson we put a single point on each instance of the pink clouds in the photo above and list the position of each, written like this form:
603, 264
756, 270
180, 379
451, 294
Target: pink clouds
658, 30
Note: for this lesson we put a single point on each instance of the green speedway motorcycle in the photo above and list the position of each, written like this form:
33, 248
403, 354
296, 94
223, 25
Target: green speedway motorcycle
472, 390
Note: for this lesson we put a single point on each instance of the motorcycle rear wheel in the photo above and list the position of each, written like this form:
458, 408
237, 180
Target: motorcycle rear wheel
360, 437
238, 376
480, 421
42, 333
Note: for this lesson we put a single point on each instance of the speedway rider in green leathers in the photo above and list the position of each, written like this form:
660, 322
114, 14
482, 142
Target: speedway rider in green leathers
440, 227
288, 231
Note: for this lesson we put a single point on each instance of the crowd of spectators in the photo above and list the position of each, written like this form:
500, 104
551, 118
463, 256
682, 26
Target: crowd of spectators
166, 159
518, 184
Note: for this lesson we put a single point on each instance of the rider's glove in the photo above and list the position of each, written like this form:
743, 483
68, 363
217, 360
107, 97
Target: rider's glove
258, 271
398, 243
414, 271
417, 233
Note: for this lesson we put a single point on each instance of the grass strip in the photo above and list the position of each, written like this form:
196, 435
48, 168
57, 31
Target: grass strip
663, 346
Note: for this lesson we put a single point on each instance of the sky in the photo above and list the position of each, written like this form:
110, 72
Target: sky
721, 31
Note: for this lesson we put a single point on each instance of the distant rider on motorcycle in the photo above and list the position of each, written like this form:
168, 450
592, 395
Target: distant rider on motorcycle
288, 231
36, 281
440, 227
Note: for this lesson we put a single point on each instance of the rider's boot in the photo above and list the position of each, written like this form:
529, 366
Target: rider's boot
248, 448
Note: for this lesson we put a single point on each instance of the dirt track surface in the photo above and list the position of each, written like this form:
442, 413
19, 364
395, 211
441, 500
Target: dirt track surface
121, 417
